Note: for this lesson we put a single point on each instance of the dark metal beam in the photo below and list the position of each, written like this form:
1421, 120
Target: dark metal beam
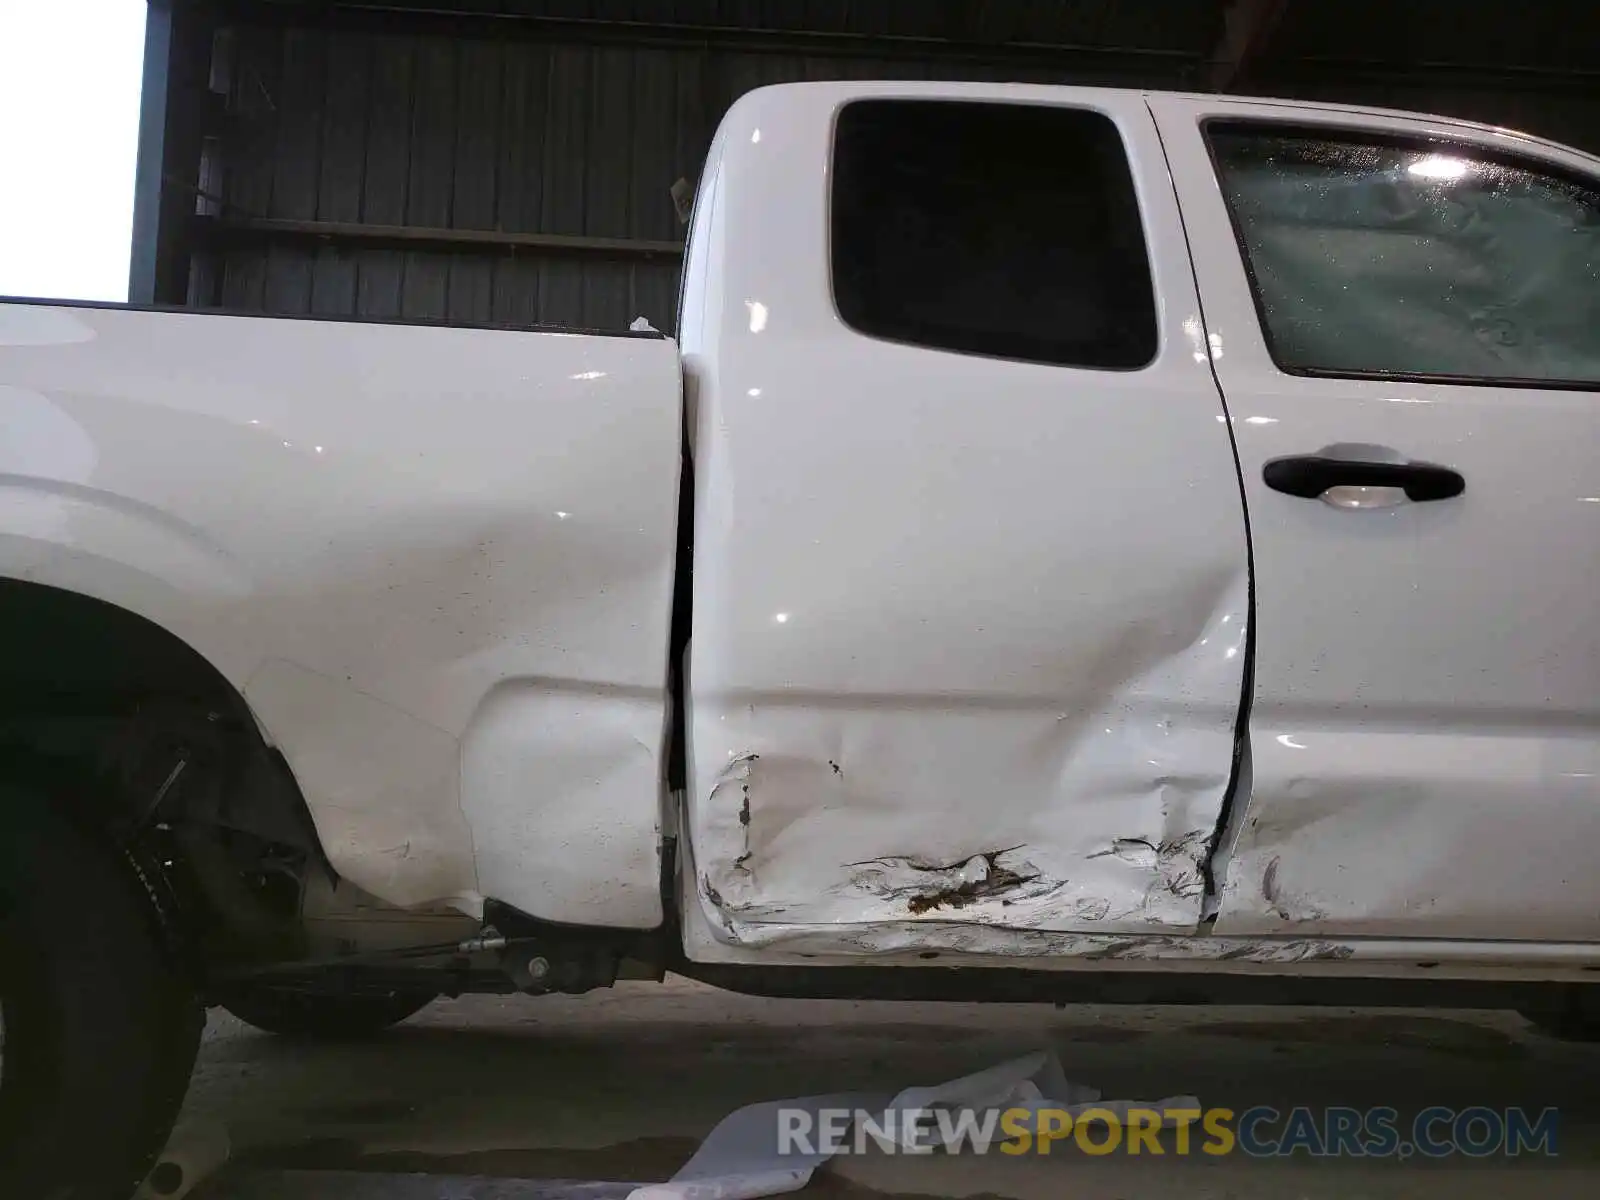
350, 233
1017, 985
1247, 28
1431, 73
148, 192
379, 17
173, 117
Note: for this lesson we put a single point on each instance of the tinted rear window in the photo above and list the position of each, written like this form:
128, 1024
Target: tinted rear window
997, 229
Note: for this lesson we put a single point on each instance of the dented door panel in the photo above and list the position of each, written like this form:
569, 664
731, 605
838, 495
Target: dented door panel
952, 811
1425, 728
968, 635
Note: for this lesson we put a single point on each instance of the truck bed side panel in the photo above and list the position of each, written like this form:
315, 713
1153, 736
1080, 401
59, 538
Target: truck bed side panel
437, 563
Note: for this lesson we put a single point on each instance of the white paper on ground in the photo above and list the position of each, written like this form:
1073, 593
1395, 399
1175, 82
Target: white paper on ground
740, 1160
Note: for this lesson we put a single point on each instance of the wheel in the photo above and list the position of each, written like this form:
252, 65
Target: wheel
100, 1027
323, 1014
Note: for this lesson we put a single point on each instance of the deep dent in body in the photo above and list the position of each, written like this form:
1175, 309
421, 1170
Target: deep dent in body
1073, 784
991, 901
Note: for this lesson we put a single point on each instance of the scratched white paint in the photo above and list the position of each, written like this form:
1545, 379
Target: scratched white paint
560, 787
945, 607
711, 935
395, 828
1357, 830
922, 944
1426, 721
427, 556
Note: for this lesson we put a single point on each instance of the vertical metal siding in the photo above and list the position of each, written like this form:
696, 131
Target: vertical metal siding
341, 170
516, 136
402, 131
538, 137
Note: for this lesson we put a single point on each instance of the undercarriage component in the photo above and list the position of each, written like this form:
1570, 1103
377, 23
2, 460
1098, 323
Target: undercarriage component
295, 1012
542, 956
340, 920
511, 951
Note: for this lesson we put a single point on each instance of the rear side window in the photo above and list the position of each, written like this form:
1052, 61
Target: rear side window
1389, 258
994, 229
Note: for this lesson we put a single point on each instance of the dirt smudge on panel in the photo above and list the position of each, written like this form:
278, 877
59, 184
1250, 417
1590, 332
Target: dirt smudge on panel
1136, 852
996, 882
925, 886
1269, 889
739, 770
1286, 908
1152, 949
1175, 866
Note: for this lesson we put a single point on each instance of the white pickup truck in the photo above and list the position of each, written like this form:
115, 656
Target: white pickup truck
1082, 544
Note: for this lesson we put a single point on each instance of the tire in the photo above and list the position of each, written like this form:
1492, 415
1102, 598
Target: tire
101, 1028
323, 1015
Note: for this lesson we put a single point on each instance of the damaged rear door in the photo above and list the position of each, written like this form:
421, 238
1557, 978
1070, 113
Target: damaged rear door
970, 567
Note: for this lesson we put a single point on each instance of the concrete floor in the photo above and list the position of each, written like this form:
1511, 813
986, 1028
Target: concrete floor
622, 1084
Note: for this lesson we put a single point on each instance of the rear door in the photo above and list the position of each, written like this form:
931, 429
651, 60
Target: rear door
970, 560
1405, 320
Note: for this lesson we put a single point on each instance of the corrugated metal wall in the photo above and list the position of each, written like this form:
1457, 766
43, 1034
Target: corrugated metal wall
348, 166
1152, 25
468, 135
1532, 65
519, 136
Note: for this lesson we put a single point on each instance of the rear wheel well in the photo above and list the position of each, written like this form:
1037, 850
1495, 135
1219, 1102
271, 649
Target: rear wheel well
143, 741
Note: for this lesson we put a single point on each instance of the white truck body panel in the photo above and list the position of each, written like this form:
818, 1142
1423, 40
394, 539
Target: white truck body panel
1425, 734
955, 618
436, 562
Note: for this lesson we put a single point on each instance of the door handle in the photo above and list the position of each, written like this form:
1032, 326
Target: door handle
1310, 475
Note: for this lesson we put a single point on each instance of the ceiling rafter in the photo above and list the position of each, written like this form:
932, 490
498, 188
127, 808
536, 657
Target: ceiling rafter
1247, 29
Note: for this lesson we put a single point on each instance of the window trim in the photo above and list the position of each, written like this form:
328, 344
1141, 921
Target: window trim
1363, 135
830, 227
